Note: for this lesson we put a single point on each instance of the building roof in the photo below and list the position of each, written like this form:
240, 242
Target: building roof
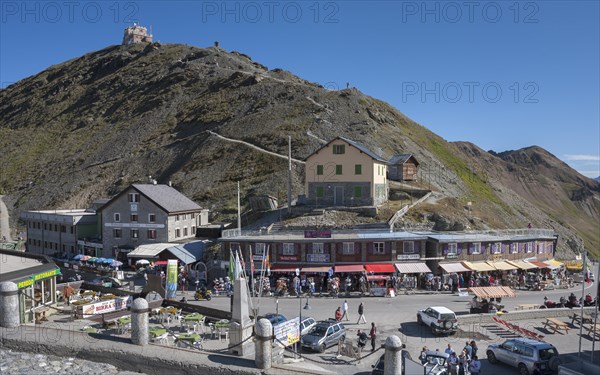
182, 254
167, 197
73, 217
401, 159
362, 148
149, 251
18, 265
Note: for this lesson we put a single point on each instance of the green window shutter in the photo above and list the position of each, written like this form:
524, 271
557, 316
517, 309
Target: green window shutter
339, 149
319, 169
357, 191
358, 169
338, 169
320, 191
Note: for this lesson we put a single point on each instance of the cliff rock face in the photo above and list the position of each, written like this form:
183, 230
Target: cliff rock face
89, 127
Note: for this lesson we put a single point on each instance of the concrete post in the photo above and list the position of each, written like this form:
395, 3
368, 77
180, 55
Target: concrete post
263, 351
139, 322
393, 356
9, 305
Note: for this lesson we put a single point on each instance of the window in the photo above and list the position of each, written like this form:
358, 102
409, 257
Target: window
339, 149
151, 234
117, 233
348, 248
357, 191
72, 229
56, 227
358, 169
497, 248
177, 217
185, 231
378, 248
117, 217
514, 248
63, 229
177, 233
319, 170
540, 247
529, 247
408, 247
288, 249
133, 218
320, 191
452, 248
476, 248
260, 248
151, 218
135, 233
338, 169
134, 197
318, 248
193, 233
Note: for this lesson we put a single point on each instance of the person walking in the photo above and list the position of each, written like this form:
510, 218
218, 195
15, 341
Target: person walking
475, 366
67, 293
345, 310
361, 314
373, 335
338, 314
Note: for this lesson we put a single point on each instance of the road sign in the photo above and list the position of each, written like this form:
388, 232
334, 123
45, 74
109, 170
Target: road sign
288, 332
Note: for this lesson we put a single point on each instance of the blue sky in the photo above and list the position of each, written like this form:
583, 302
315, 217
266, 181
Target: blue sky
501, 74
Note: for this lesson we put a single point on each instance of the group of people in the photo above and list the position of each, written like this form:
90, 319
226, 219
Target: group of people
342, 312
464, 363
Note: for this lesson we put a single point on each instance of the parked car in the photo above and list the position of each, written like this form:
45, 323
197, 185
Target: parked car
306, 325
275, 319
523, 353
436, 363
323, 335
440, 319
378, 366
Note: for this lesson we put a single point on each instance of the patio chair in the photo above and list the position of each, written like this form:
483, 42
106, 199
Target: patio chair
223, 334
162, 339
178, 315
213, 330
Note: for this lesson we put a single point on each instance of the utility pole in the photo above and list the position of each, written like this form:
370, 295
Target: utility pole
289, 190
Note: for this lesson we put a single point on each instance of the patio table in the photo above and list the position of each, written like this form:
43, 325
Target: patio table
168, 310
157, 331
222, 324
190, 338
194, 317
124, 320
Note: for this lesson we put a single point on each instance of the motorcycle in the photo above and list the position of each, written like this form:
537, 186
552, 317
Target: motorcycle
572, 301
202, 294
548, 304
589, 301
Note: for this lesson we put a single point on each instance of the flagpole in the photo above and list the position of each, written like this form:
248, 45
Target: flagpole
583, 270
239, 218
596, 309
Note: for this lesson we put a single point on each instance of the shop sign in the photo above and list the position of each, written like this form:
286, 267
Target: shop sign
317, 234
257, 257
408, 256
320, 258
288, 258
451, 256
102, 307
47, 274
25, 283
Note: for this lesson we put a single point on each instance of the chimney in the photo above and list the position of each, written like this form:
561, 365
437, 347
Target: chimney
216, 44
170, 184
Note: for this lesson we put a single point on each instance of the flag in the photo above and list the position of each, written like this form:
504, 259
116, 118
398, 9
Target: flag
231, 266
242, 263
238, 267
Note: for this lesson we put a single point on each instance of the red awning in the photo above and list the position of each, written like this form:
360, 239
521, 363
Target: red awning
284, 268
161, 262
538, 263
377, 277
380, 268
322, 269
350, 268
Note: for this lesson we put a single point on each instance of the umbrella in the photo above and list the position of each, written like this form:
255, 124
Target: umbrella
78, 256
100, 260
108, 260
92, 259
116, 263
85, 258
142, 261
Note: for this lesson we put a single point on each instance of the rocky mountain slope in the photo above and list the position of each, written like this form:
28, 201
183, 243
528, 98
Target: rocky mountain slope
90, 126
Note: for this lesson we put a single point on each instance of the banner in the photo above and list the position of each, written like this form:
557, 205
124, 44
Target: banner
171, 286
90, 309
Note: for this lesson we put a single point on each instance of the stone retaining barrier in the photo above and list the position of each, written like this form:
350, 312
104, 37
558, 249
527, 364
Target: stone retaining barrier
523, 315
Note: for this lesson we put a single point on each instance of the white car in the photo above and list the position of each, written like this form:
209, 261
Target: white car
440, 319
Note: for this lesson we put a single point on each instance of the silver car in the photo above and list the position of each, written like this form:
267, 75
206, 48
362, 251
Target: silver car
306, 325
523, 353
323, 335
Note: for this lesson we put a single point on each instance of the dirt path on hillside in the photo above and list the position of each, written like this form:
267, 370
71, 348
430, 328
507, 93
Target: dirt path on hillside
4, 227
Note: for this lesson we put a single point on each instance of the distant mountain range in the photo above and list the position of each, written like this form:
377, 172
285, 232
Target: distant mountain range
88, 127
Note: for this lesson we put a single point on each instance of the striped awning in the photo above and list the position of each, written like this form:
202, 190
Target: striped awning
521, 264
454, 267
349, 268
478, 266
502, 265
553, 264
539, 264
492, 291
412, 267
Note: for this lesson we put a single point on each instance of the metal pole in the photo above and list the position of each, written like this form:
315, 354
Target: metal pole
299, 328
582, 298
289, 187
596, 312
239, 218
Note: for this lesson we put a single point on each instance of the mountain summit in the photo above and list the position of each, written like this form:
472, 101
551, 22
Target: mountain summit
89, 127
